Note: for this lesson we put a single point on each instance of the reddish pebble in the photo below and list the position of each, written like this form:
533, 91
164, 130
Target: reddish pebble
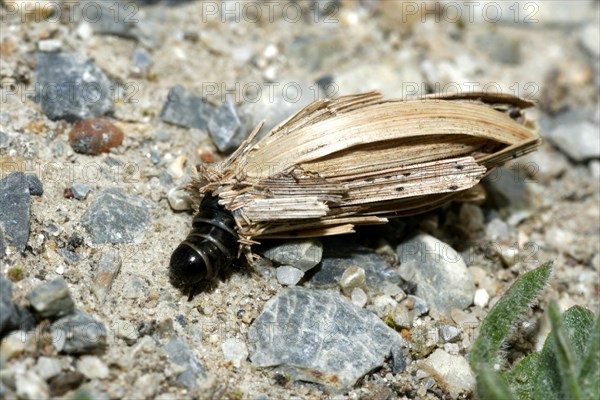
68, 193
95, 136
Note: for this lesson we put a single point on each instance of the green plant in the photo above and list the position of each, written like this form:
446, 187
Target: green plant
567, 367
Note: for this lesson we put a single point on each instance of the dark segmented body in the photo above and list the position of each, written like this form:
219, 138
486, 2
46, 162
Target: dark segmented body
210, 247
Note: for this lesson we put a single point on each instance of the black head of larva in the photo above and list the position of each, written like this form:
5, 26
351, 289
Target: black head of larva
210, 247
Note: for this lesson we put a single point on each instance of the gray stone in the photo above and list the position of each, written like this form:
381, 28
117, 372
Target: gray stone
497, 229
180, 353
69, 256
80, 190
509, 187
134, 288
339, 256
78, 333
449, 333
12, 316
70, 87
35, 185
47, 367
500, 48
4, 140
185, 109
116, 18
417, 304
225, 127
104, 275
546, 163
115, 217
6, 306
317, 336
289, 276
301, 254
580, 140
439, 271
141, 58
51, 299
398, 360
15, 206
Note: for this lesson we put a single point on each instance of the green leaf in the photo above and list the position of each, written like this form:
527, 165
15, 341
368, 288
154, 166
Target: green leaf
565, 357
589, 373
502, 318
492, 385
538, 376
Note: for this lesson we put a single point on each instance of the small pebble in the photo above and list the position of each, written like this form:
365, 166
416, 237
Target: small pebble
5, 140
176, 168
12, 345
418, 304
147, 385
449, 333
126, 331
179, 199
225, 127
452, 373
234, 350
78, 333
481, 298
289, 276
383, 305
35, 185
402, 317
49, 45
497, 229
95, 136
108, 267
358, 297
80, 190
92, 367
352, 277
181, 354
48, 367
15, 206
115, 217
301, 254
65, 382
509, 255
29, 385
52, 299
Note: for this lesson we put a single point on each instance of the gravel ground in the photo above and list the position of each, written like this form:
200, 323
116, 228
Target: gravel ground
88, 229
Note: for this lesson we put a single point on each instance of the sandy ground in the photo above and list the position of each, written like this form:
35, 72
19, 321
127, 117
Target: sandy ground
549, 55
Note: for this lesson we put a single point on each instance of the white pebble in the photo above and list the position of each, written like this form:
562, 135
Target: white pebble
92, 367
176, 167
358, 297
60, 270
179, 199
352, 277
49, 45
289, 276
13, 345
30, 386
481, 298
234, 350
